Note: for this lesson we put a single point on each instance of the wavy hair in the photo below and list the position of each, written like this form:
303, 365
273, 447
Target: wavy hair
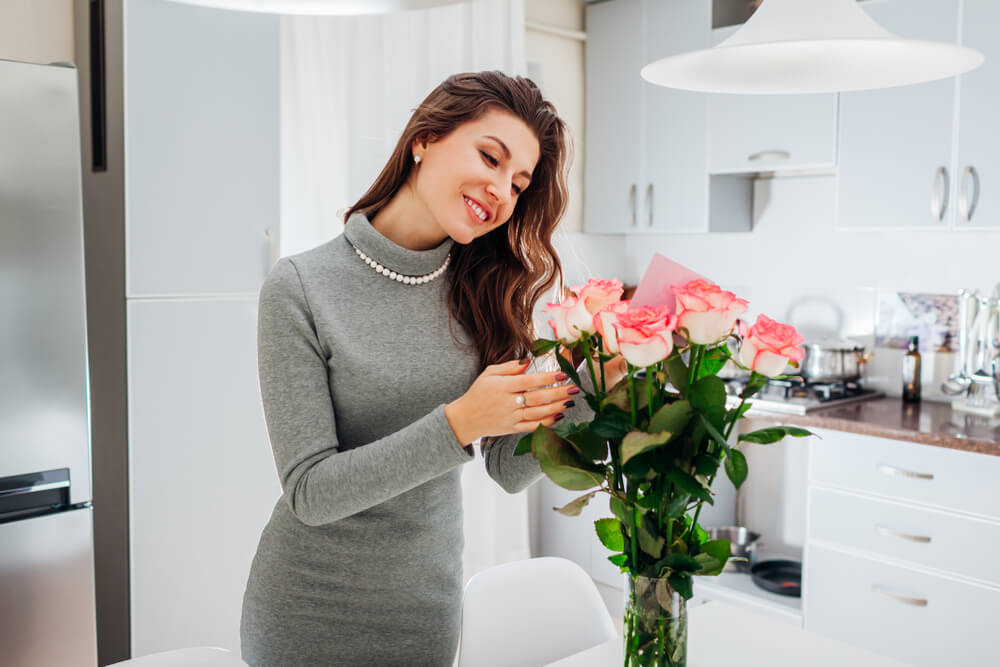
496, 279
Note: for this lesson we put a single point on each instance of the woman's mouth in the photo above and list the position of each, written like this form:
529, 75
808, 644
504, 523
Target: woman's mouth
478, 213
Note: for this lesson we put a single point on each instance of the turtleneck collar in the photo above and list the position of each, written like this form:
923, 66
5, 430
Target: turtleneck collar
362, 235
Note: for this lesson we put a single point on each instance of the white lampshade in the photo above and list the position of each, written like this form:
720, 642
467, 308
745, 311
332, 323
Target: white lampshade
810, 46
321, 7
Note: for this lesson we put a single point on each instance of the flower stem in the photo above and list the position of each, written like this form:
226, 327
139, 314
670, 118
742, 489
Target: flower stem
590, 368
631, 393
650, 376
604, 387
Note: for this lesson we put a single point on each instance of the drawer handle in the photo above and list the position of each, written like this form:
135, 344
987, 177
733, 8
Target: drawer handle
899, 472
769, 155
889, 532
916, 602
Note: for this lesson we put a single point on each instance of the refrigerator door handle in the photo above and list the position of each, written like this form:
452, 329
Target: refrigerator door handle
35, 488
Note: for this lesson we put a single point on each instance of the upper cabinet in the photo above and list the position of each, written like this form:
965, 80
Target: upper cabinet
922, 156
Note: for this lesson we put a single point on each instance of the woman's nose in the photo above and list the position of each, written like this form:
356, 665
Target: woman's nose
498, 193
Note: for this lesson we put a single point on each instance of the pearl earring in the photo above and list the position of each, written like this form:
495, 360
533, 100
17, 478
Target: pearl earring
416, 159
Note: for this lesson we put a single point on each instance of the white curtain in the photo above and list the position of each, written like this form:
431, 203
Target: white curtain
348, 85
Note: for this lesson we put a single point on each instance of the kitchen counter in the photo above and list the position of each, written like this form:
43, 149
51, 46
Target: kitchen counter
927, 422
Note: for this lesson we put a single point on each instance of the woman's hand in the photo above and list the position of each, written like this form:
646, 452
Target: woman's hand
491, 407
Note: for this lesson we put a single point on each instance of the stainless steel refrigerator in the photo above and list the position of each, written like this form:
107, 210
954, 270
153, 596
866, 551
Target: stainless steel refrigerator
47, 609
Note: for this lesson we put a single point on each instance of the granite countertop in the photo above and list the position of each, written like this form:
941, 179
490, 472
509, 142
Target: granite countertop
927, 422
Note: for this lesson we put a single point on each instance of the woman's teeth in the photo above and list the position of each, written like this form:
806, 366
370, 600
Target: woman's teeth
479, 212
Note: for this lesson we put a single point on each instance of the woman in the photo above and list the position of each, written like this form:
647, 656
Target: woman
384, 356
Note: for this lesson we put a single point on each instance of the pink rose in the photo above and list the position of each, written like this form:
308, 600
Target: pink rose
645, 335
707, 311
604, 324
560, 324
768, 346
578, 312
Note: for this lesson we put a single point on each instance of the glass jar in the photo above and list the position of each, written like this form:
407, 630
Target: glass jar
655, 627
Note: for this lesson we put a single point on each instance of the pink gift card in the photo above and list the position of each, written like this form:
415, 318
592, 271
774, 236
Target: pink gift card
654, 288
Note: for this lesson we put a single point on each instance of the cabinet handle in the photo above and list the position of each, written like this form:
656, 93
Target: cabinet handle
899, 472
967, 204
649, 205
768, 155
889, 532
939, 194
916, 602
632, 205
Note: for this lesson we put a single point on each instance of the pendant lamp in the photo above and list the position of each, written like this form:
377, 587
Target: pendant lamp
321, 7
810, 46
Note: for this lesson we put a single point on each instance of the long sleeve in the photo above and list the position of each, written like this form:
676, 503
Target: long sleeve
516, 473
321, 482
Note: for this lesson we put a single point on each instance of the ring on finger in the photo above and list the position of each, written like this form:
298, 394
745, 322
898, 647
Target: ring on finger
520, 400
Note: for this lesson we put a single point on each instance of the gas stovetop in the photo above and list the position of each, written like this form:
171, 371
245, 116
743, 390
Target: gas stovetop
797, 397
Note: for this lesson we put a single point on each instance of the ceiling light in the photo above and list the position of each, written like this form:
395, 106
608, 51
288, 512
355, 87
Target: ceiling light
810, 46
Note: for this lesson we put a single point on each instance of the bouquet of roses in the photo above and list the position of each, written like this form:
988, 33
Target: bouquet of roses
658, 436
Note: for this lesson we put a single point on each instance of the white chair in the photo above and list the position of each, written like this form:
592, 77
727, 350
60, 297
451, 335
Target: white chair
201, 656
531, 612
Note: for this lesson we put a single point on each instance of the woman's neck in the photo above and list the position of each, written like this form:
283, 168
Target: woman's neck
407, 222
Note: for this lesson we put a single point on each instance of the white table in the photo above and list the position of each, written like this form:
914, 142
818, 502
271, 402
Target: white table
721, 635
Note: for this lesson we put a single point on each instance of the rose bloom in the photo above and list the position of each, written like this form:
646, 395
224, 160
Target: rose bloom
645, 335
560, 319
707, 311
604, 324
768, 346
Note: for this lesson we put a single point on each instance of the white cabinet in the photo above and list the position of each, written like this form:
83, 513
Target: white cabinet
977, 185
202, 475
900, 548
201, 146
752, 133
895, 163
613, 101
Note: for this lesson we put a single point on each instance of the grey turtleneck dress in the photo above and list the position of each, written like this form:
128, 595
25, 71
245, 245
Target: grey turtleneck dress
361, 560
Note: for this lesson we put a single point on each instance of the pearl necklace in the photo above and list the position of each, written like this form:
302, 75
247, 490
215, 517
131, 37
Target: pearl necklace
399, 277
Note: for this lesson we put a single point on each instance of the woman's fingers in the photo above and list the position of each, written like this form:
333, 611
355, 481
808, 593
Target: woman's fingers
556, 396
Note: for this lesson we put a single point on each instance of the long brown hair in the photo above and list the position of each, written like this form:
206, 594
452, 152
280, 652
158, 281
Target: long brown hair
495, 280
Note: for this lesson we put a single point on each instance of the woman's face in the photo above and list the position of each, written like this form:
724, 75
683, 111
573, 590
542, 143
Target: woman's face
470, 180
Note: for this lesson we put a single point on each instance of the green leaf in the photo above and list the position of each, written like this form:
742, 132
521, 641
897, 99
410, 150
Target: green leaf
523, 445
708, 565
766, 436
705, 465
671, 417
682, 584
689, 484
574, 507
714, 433
609, 532
649, 541
543, 346
678, 373
619, 396
736, 467
756, 383
588, 444
618, 559
560, 462
713, 361
707, 394
637, 442
737, 412
612, 424
678, 562
567, 368
700, 533
618, 509
718, 549
676, 506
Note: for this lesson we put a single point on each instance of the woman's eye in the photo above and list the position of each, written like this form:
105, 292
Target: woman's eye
489, 158
517, 190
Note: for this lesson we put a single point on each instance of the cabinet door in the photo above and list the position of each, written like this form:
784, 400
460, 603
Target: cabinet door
202, 482
895, 144
611, 170
202, 147
977, 182
674, 124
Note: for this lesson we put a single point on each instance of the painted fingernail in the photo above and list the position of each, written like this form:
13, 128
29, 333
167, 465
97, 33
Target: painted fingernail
559, 416
561, 376
573, 390
569, 404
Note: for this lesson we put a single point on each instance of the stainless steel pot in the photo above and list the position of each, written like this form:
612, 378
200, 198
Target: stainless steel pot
833, 361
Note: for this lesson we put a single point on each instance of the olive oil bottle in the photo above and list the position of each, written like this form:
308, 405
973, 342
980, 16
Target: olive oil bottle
911, 371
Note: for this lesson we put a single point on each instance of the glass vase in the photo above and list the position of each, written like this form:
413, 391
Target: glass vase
655, 626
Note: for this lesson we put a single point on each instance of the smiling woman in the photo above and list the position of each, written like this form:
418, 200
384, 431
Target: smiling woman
374, 398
